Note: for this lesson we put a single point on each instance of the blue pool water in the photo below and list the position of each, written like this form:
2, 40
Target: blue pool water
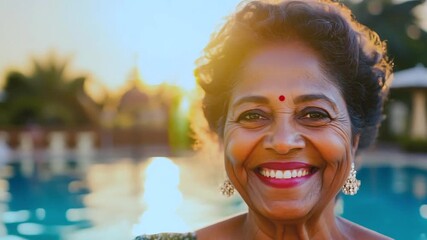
392, 201
44, 206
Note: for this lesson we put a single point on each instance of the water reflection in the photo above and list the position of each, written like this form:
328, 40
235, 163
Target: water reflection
399, 181
26, 154
57, 152
36, 206
118, 198
419, 187
423, 211
396, 196
111, 204
162, 198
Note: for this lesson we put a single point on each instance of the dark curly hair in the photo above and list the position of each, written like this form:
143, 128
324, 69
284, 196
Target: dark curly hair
353, 54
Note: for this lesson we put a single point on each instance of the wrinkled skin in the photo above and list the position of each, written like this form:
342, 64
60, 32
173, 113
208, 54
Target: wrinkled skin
314, 130
310, 126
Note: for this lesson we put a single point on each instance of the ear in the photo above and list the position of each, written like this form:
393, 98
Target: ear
355, 144
221, 144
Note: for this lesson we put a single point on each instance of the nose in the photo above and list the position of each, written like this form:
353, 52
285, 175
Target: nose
284, 138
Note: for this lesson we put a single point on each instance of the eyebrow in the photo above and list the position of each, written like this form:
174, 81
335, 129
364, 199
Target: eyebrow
314, 97
253, 99
297, 100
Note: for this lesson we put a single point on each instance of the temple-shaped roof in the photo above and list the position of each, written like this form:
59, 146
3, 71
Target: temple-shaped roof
134, 96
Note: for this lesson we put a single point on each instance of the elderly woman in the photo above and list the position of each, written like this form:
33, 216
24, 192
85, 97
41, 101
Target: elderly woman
294, 90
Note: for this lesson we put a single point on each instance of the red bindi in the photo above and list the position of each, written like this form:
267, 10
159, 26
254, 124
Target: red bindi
282, 98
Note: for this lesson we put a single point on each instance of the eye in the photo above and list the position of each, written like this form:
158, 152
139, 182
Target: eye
314, 117
252, 115
253, 118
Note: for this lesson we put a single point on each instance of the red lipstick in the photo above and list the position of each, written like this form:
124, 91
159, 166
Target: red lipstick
285, 174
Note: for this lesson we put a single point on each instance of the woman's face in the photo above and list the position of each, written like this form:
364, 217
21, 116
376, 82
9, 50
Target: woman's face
287, 156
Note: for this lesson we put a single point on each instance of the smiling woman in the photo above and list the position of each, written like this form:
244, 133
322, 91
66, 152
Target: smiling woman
293, 89
309, 134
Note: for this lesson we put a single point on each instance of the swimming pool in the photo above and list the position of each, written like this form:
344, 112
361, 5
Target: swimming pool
392, 201
110, 200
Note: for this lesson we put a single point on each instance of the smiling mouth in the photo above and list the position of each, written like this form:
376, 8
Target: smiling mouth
285, 174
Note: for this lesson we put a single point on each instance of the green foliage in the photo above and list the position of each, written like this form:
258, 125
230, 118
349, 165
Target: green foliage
179, 125
398, 25
414, 145
45, 97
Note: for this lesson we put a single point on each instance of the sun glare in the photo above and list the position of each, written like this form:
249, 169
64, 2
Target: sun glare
162, 198
423, 211
184, 106
187, 85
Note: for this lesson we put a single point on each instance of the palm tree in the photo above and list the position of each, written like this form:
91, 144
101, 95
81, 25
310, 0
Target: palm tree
47, 97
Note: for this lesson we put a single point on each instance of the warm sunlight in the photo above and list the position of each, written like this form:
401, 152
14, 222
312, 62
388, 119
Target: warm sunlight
162, 198
115, 37
184, 106
106, 133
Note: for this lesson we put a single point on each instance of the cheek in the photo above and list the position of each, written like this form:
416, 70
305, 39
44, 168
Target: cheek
333, 144
333, 150
334, 147
239, 144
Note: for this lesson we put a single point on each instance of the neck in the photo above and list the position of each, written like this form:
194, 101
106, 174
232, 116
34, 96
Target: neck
320, 226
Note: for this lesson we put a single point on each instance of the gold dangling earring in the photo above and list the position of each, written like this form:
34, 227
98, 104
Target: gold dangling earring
351, 185
227, 188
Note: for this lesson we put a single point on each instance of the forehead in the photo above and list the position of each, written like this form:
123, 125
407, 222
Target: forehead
289, 53
283, 66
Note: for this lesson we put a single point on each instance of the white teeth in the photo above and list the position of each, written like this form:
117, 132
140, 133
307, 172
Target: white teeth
284, 174
272, 174
294, 173
287, 174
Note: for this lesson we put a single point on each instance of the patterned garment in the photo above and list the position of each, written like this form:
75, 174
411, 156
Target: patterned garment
168, 236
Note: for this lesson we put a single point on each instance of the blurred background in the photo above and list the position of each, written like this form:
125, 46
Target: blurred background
96, 141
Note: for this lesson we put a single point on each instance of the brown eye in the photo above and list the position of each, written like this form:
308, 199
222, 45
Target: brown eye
314, 117
253, 118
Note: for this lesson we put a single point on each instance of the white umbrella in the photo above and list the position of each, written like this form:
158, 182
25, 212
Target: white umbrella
415, 77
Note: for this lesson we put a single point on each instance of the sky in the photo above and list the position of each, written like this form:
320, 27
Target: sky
107, 39
163, 38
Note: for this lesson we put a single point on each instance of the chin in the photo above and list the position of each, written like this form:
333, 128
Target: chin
285, 212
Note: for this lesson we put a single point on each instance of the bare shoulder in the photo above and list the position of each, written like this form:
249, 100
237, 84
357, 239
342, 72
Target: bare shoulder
221, 230
356, 231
